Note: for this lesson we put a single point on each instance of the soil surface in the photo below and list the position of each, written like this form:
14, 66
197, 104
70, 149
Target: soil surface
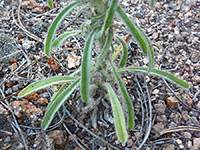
166, 116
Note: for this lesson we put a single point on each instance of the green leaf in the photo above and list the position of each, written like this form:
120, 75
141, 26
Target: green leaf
56, 94
125, 53
160, 73
151, 2
109, 16
54, 26
85, 67
55, 105
43, 84
50, 4
60, 39
120, 125
126, 99
139, 35
105, 49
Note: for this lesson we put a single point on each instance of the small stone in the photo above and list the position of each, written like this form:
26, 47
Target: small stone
53, 64
195, 57
160, 108
156, 91
187, 135
185, 116
138, 15
73, 60
155, 35
193, 113
130, 143
179, 142
170, 147
172, 102
58, 137
38, 10
161, 118
158, 127
189, 144
181, 146
37, 98
196, 143
176, 30
78, 148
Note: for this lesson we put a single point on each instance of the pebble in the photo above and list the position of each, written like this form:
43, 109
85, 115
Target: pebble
160, 107
161, 118
3, 111
196, 143
195, 57
187, 135
58, 137
155, 35
172, 102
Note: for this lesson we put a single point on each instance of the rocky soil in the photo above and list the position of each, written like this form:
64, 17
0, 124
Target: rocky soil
174, 30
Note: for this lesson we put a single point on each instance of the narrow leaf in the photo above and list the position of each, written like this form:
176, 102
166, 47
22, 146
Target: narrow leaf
85, 67
60, 39
109, 16
125, 97
105, 49
54, 26
160, 73
125, 53
138, 34
43, 84
50, 4
56, 94
120, 125
55, 105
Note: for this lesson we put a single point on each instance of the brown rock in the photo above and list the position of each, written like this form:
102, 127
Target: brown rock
158, 127
77, 148
53, 64
23, 107
58, 137
37, 98
130, 143
12, 60
172, 102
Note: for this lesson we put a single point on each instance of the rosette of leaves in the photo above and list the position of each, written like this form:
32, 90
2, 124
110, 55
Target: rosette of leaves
99, 30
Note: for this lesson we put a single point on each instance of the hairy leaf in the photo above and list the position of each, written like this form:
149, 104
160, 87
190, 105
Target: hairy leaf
120, 125
85, 67
105, 49
55, 105
138, 34
109, 16
60, 39
160, 73
54, 26
125, 53
43, 84
126, 99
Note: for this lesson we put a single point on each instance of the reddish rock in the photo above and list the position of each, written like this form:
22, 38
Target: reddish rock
37, 10
37, 98
12, 60
53, 64
23, 107
58, 137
